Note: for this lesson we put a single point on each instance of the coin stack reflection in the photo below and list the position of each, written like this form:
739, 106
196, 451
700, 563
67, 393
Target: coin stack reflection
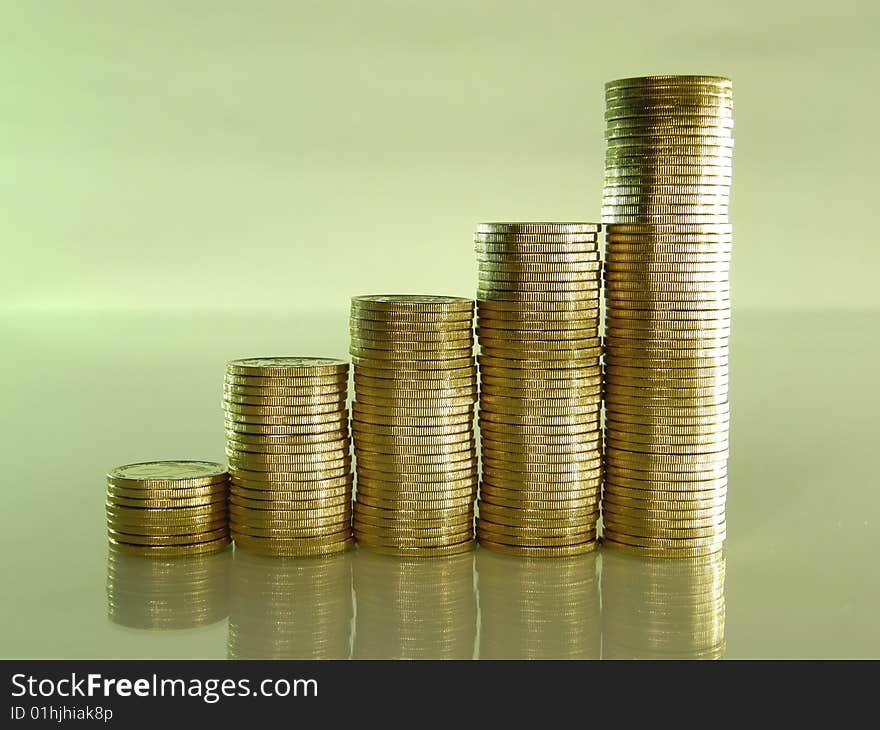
163, 508
413, 423
175, 592
667, 292
538, 609
540, 387
662, 609
289, 608
287, 442
414, 609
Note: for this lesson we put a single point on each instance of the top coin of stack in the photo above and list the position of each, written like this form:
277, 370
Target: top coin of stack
168, 507
412, 421
289, 455
667, 293
540, 386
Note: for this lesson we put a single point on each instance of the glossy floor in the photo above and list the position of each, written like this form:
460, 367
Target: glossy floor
83, 392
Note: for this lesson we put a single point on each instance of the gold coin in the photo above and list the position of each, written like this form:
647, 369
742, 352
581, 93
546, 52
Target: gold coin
411, 303
175, 539
419, 552
568, 271
289, 502
443, 345
665, 542
204, 493
324, 448
546, 333
574, 448
408, 367
296, 547
661, 552
551, 228
396, 457
287, 366
586, 504
167, 550
526, 516
468, 390
413, 406
655, 444
167, 474
427, 507
196, 526
395, 483
536, 552
710, 504
165, 517
539, 309
336, 391
281, 480
503, 430
418, 330
146, 503
400, 466
334, 417
323, 412
291, 532
448, 444
443, 424
533, 541
541, 259
635, 534
617, 474
529, 480
378, 430
414, 518
624, 523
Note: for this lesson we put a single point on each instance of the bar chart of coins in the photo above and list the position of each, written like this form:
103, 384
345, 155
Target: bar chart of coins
415, 385
540, 387
668, 239
289, 453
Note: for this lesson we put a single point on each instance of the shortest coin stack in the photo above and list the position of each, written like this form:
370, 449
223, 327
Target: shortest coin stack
289, 455
168, 508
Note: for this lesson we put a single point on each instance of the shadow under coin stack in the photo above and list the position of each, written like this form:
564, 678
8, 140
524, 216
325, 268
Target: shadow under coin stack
287, 443
667, 291
168, 508
167, 593
540, 387
663, 609
413, 423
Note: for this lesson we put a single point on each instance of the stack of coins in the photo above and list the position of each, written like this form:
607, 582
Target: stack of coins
539, 609
540, 387
662, 609
168, 508
167, 593
413, 423
287, 443
667, 292
289, 608
414, 609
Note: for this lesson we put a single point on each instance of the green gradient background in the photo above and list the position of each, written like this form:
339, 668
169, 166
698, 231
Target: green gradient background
159, 154
182, 183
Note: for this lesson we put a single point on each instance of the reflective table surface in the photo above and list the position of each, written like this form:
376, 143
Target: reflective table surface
86, 391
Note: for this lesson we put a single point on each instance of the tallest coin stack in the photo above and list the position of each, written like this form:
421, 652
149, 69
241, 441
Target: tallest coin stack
667, 183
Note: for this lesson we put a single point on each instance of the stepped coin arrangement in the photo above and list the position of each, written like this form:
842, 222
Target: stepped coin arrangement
540, 387
176, 592
667, 292
662, 609
287, 442
412, 423
163, 508
290, 609
414, 609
